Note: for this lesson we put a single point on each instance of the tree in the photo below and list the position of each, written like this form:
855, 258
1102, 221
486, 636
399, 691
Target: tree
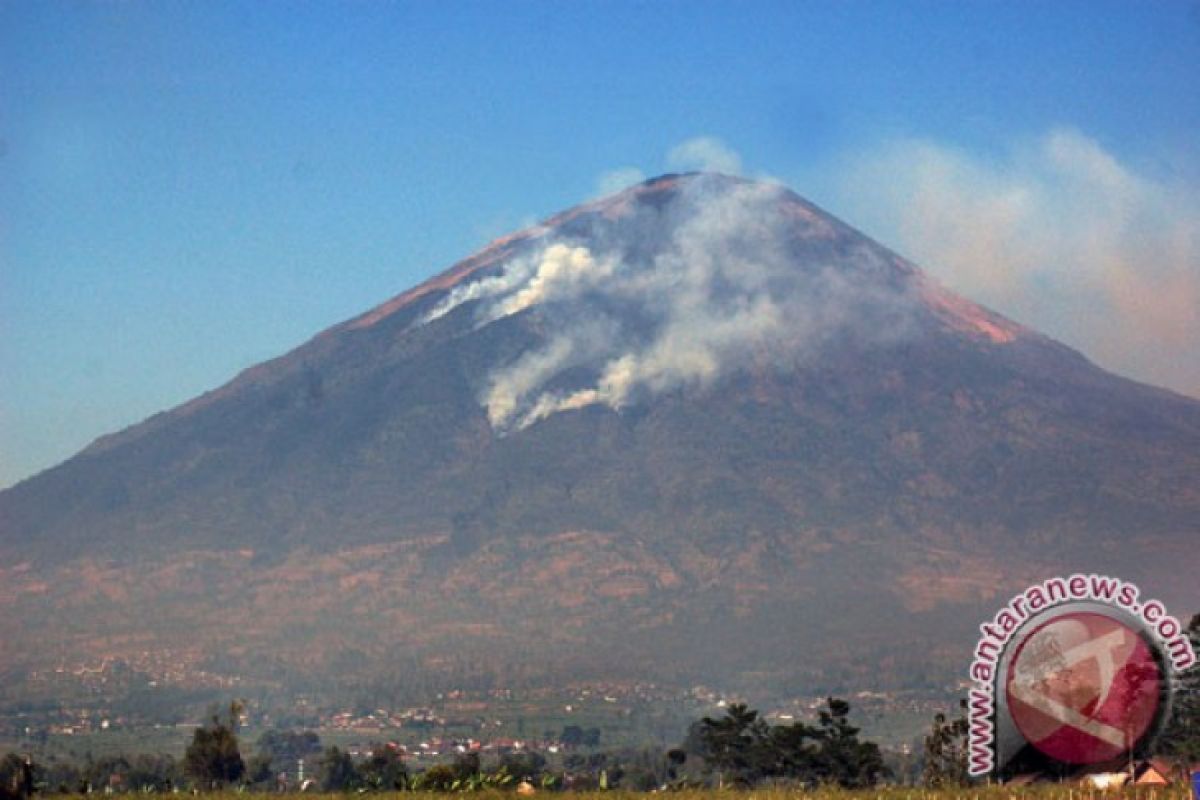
384, 769
1181, 739
259, 772
575, 736
158, 773
794, 752
438, 778
743, 749
676, 758
732, 745
841, 757
279, 751
336, 771
946, 751
650, 768
62, 776
523, 766
109, 771
467, 766
213, 758
284, 748
18, 776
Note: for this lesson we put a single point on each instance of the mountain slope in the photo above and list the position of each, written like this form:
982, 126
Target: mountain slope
700, 421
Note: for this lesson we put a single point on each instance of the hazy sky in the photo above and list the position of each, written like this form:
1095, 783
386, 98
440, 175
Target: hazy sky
187, 188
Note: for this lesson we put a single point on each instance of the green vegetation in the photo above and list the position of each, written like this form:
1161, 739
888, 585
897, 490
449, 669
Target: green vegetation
739, 750
946, 749
213, 759
337, 771
743, 750
1181, 739
736, 749
1040, 792
17, 777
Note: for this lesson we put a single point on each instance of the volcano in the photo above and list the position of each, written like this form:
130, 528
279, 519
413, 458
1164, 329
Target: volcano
699, 430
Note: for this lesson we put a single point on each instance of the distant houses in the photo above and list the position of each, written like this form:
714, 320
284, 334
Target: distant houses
1114, 775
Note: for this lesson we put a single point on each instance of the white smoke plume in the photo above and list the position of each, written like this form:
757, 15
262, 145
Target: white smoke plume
556, 270
617, 179
704, 154
723, 288
563, 271
514, 275
1058, 233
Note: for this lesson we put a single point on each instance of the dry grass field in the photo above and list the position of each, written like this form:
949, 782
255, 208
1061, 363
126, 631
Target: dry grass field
980, 792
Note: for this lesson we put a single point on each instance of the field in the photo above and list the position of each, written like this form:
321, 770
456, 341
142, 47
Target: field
982, 792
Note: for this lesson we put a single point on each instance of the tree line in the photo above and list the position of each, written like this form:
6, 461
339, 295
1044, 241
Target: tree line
737, 749
741, 749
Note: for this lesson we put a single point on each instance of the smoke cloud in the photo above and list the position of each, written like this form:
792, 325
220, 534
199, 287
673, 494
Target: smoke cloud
557, 270
623, 320
704, 154
563, 271
1059, 234
617, 179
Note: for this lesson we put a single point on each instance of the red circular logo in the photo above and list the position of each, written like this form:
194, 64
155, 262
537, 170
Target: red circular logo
1083, 688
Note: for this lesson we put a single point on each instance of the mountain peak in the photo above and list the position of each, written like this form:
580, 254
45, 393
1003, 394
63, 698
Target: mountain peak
670, 420
613, 206
674, 283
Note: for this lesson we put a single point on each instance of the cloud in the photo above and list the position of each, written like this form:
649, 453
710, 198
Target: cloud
1058, 233
704, 154
617, 179
624, 316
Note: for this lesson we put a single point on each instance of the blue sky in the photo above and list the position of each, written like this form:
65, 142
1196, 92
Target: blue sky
188, 188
